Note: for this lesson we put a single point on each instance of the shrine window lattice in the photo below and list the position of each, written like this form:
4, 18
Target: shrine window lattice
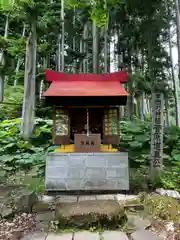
62, 122
110, 122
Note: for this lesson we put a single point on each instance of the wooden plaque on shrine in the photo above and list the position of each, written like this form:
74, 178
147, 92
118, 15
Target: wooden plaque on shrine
84, 143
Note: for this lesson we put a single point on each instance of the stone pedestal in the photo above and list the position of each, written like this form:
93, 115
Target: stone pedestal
87, 171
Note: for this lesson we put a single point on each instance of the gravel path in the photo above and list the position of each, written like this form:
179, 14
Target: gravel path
23, 226
18, 227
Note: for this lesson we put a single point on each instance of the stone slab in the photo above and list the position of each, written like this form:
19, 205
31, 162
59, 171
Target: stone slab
66, 198
169, 193
125, 197
46, 216
93, 171
86, 198
114, 235
106, 197
35, 236
145, 235
43, 226
65, 236
86, 236
137, 222
41, 207
46, 198
85, 214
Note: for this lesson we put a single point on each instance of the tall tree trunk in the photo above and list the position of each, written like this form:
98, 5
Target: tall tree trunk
142, 107
175, 84
62, 36
178, 32
106, 48
106, 44
2, 62
74, 40
59, 53
19, 60
29, 84
167, 122
130, 100
85, 48
81, 51
95, 34
41, 90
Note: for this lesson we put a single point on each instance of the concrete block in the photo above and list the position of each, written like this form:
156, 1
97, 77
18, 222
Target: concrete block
95, 161
75, 172
92, 173
145, 235
114, 235
86, 236
53, 236
35, 236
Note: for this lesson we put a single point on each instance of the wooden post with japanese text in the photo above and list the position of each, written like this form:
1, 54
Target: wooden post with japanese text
156, 158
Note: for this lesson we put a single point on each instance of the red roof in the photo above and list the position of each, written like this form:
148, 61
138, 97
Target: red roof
53, 76
85, 84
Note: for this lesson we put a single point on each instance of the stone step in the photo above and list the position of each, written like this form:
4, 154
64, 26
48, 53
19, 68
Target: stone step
145, 235
35, 236
114, 235
86, 235
46, 202
53, 236
90, 213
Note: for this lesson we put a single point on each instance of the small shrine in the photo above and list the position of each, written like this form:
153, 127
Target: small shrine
86, 129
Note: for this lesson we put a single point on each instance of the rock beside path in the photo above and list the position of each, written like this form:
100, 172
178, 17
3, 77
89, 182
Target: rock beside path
145, 235
16, 202
5, 211
18, 199
169, 193
91, 213
135, 222
25, 200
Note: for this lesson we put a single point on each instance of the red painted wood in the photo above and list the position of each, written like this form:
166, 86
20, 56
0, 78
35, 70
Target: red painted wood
53, 76
85, 88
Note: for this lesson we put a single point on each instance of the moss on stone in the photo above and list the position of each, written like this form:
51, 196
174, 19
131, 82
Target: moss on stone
106, 214
162, 207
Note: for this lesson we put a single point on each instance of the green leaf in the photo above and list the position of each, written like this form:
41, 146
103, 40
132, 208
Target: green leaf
126, 138
25, 161
6, 158
176, 155
8, 168
10, 145
36, 149
135, 144
26, 155
142, 138
51, 149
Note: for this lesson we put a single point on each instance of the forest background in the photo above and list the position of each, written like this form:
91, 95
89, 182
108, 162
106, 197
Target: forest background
140, 36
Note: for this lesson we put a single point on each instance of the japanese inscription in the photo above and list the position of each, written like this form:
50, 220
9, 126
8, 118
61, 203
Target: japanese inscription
84, 143
110, 122
61, 123
87, 143
157, 131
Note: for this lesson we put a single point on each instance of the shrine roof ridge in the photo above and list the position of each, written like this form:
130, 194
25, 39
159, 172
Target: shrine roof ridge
53, 76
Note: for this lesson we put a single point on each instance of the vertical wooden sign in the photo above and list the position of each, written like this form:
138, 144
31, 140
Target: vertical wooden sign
157, 134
